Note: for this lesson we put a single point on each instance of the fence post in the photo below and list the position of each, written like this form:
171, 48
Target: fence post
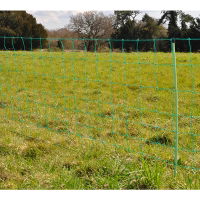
173, 47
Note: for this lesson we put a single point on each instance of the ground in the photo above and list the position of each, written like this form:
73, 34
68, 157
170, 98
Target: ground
79, 120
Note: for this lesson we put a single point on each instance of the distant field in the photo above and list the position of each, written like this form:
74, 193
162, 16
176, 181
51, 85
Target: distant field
77, 120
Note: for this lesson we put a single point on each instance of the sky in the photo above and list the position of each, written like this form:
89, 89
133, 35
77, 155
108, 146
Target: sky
53, 20
56, 19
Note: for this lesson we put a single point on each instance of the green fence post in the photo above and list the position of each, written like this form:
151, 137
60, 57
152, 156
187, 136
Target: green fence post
176, 105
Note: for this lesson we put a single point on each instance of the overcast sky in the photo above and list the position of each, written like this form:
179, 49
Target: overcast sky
58, 19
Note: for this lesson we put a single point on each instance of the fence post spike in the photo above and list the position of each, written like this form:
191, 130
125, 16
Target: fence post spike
173, 46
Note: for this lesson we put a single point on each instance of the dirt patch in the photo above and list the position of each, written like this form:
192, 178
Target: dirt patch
133, 88
3, 175
3, 104
59, 126
4, 150
159, 140
153, 99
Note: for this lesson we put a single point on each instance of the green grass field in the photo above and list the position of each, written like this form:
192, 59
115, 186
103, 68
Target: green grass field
76, 120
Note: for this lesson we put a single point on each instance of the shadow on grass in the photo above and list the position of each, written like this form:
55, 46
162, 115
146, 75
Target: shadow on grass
159, 140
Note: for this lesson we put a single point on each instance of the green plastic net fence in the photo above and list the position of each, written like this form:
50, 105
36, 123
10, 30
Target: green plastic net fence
125, 93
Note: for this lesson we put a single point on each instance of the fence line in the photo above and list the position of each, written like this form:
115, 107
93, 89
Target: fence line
119, 92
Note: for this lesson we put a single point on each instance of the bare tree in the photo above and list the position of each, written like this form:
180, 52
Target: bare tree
90, 25
62, 33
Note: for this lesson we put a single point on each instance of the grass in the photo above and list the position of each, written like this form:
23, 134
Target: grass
75, 120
